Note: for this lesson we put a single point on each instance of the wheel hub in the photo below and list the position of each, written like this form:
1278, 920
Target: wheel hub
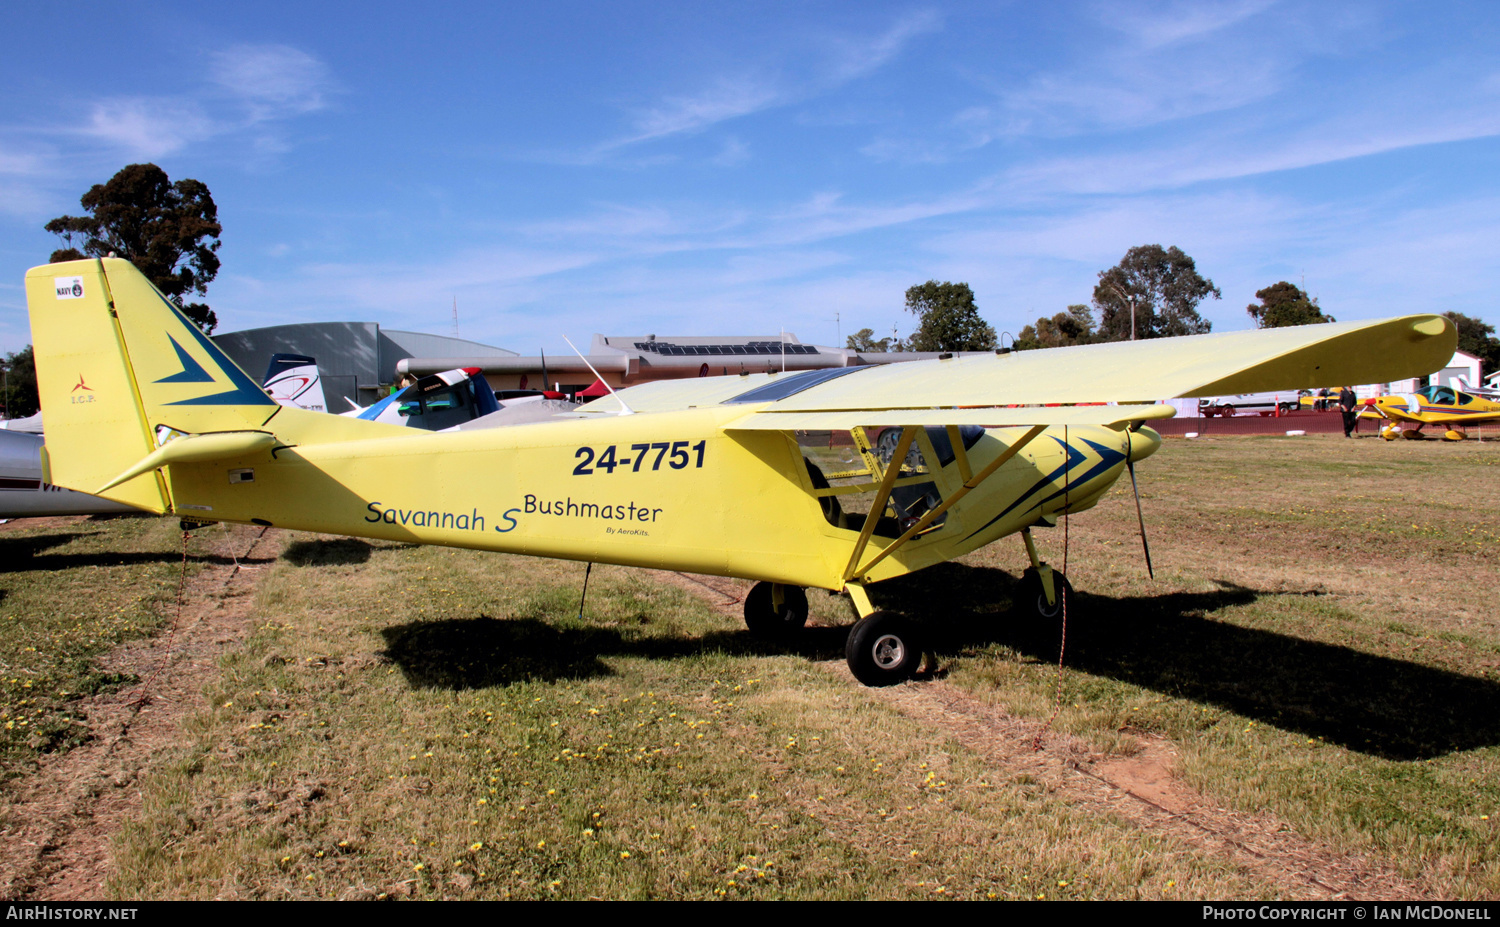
888, 651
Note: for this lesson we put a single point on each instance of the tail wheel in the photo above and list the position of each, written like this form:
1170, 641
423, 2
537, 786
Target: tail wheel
766, 619
883, 650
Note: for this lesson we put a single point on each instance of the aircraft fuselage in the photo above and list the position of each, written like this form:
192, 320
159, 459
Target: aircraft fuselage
669, 490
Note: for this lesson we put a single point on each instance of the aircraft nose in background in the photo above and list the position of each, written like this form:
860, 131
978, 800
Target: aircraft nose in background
1143, 444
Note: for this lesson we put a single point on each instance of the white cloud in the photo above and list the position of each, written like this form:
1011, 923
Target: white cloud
734, 152
856, 57
407, 288
148, 127
1157, 26
1223, 157
274, 81
640, 228
22, 163
732, 97
249, 89
1134, 95
727, 99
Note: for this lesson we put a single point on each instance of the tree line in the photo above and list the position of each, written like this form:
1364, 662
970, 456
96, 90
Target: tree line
1154, 292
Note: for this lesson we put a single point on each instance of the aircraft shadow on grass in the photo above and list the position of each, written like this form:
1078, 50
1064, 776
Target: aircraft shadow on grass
332, 552
26, 554
1380, 706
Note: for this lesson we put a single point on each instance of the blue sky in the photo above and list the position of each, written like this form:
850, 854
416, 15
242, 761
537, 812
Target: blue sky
565, 168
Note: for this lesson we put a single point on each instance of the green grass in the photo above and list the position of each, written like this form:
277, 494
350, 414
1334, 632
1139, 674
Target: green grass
67, 595
1319, 641
435, 723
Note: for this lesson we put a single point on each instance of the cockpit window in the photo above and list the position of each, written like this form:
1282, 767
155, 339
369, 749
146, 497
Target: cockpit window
439, 409
792, 384
968, 434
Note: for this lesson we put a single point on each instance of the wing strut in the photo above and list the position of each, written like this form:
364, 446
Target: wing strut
882, 495
853, 575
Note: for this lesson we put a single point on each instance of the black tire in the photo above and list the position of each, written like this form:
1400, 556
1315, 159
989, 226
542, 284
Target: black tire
764, 620
1226, 411
1031, 600
883, 650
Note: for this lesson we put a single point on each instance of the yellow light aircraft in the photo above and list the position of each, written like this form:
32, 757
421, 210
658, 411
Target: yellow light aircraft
1406, 414
702, 475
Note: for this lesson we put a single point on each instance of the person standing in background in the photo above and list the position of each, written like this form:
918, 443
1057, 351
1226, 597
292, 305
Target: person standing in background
1346, 403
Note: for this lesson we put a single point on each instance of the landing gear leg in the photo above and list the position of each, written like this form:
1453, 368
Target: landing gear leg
1042, 589
860, 599
1040, 574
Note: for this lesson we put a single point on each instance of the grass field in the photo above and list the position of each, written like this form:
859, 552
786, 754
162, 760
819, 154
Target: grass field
67, 595
1321, 641
407, 722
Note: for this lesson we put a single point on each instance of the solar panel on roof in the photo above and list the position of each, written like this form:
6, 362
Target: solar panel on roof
762, 348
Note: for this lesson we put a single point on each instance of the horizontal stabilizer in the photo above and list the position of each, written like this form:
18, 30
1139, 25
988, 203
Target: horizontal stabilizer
229, 445
993, 417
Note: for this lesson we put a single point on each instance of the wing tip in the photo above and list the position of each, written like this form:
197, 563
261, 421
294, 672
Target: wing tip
1431, 326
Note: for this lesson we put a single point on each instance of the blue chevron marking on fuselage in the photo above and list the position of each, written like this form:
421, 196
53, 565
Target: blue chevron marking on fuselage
1074, 456
1108, 458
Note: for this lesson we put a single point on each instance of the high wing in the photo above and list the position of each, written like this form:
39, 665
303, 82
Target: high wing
1111, 416
1299, 357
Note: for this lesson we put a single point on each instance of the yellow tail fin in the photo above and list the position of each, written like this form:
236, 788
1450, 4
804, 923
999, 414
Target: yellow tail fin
113, 382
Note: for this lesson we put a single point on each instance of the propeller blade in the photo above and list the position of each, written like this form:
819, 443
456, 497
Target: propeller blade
1130, 464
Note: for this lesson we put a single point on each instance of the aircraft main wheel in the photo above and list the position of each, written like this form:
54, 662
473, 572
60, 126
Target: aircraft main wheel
1031, 599
1412, 434
1453, 435
764, 619
882, 650
1390, 434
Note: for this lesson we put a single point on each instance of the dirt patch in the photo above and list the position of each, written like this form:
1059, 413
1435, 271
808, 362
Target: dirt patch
50, 521
1144, 789
1141, 787
56, 824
